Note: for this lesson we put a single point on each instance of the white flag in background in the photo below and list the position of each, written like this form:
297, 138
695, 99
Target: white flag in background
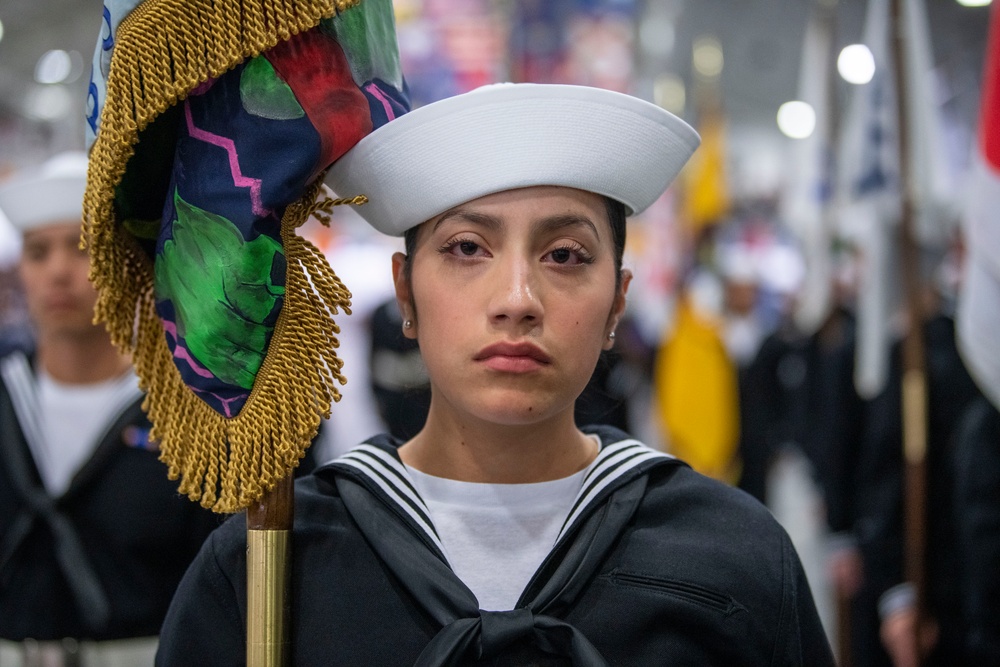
806, 201
869, 182
978, 321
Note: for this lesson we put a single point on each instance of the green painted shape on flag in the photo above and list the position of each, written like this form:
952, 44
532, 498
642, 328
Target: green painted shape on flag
367, 33
264, 94
222, 291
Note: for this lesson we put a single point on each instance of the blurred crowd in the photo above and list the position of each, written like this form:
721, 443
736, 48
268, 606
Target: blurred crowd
804, 428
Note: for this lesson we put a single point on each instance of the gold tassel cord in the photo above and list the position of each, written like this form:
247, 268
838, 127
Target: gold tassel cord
227, 464
164, 49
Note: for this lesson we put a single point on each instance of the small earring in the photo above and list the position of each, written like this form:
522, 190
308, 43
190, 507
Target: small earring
611, 336
407, 324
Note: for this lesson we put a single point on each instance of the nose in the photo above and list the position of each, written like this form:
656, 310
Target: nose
59, 265
516, 298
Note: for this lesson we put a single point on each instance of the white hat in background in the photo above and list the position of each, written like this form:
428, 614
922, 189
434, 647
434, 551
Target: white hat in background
10, 243
49, 193
739, 264
506, 136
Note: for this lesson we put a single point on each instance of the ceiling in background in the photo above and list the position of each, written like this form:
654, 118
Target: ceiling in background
762, 40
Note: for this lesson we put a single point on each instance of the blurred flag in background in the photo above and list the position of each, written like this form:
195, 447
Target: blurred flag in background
705, 192
806, 201
869, 179
697, 399
978, 321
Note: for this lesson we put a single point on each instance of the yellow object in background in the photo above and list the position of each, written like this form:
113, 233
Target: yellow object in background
697, 399
706, 194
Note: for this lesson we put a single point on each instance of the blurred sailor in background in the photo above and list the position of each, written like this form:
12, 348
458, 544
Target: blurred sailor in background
93, 536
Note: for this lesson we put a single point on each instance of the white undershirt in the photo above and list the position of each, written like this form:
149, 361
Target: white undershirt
74, 417
495, 536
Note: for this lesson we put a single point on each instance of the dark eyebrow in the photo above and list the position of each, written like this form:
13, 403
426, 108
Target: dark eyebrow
487, 221
551, 223
556, 222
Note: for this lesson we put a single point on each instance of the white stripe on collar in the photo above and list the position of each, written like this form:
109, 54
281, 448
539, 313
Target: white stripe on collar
20, 381
23, 387
390, 475
613, 461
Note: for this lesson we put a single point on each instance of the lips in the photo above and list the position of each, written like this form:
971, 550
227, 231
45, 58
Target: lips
513, 357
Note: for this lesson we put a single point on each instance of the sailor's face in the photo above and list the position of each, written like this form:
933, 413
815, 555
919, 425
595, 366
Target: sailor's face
53, 270
515, 295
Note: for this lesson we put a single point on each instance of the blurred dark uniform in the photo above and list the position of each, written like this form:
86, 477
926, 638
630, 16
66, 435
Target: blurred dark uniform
799, 392
398, 378
871, 497
622, 373
84, 572
98, 562
977, 523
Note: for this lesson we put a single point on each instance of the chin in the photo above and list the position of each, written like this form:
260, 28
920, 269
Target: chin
75, 326
518, 410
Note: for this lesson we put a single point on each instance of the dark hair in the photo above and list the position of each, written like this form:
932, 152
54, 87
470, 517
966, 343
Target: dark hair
616, 218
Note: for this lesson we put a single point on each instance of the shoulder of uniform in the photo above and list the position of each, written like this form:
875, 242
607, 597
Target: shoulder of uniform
694, 497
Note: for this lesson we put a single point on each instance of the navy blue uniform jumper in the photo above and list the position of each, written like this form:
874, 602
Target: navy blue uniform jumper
655, 565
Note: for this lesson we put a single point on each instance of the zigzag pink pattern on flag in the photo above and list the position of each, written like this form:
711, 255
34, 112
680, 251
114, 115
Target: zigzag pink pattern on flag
380, 96
182, 353
229, 146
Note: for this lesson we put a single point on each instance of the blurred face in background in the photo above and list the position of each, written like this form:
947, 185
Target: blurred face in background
741, 296
53, 271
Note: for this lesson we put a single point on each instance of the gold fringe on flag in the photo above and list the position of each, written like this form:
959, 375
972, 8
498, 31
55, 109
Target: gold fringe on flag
164, 49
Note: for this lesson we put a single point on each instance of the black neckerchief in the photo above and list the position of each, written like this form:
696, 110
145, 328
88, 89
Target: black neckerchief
84, 584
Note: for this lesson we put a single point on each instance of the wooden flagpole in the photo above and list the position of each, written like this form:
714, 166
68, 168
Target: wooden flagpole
914, 379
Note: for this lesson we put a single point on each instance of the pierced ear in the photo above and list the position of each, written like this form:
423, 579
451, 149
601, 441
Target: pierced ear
617, 310
404, 296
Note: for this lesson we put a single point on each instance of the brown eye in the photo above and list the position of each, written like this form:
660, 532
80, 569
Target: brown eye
569, 255
562, 255
463, 248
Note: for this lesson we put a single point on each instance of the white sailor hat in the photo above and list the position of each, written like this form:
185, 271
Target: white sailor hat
47, 194
506, 136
